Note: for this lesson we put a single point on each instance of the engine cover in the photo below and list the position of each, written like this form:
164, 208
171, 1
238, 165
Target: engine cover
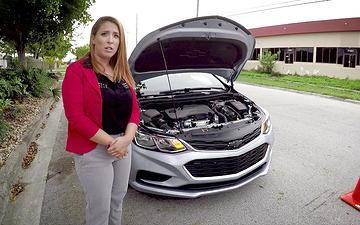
199, 112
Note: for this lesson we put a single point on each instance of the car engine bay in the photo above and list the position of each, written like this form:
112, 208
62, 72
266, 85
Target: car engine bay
197, 114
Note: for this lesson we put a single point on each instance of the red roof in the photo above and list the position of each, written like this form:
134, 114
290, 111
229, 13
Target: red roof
337, 25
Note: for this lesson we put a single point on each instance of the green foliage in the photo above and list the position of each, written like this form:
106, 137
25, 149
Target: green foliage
54, 75
11, 85
268, 61
51, 47
17, 82
81, 51
37, 81
7, 48
56, 93
5, 103
28, 22
3, 128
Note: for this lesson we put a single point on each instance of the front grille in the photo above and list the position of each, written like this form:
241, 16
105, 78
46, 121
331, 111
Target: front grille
226, 145
223, 184
226, 166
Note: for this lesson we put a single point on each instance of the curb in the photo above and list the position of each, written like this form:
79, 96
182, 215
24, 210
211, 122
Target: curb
26, 208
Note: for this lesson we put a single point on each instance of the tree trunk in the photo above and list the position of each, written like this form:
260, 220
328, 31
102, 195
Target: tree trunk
21, 57
20, 48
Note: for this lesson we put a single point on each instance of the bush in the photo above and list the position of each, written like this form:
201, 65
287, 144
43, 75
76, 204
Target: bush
3, 128
5, 103
268, 61
37, 81
9, 110
16, 83
11, 85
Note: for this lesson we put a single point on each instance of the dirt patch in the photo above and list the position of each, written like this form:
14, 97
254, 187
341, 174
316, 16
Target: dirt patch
30, 110
16, 189
30, 155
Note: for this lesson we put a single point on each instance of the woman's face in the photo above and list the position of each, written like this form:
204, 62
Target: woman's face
106, 40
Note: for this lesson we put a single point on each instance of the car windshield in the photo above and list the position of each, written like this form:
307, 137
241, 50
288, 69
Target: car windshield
181, 82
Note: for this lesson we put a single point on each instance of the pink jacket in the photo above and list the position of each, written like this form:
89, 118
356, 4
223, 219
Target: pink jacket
83, 107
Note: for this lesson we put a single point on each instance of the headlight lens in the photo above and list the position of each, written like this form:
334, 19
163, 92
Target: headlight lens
164, 144
266, 126
144, 140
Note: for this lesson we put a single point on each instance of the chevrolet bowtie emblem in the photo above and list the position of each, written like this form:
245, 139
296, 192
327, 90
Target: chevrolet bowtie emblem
235, 143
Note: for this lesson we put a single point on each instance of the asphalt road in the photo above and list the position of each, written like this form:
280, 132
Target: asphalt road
316, 158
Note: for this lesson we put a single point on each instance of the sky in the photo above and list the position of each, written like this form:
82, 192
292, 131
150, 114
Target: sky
154, 14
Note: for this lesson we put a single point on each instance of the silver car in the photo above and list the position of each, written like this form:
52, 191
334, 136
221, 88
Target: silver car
197, 134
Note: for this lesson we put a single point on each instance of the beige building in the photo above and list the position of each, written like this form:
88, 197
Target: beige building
328, 47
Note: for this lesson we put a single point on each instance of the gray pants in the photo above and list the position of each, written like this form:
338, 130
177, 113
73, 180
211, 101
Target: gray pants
104, 179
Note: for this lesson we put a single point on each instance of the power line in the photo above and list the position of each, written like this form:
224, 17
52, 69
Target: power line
262, 6
278, 7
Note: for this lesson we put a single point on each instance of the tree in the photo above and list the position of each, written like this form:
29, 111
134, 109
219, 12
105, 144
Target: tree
26, 22
81, 51
56, 47
268, 61
6, 48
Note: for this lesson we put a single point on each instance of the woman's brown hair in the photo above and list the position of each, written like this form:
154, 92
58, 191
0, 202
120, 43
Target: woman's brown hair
119, 60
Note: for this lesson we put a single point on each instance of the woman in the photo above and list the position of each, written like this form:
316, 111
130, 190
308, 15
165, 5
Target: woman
102, 111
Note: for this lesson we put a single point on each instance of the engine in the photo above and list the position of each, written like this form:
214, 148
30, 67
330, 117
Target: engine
195, 116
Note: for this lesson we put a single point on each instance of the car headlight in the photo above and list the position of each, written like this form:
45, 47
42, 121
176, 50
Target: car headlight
164, 144
266, 126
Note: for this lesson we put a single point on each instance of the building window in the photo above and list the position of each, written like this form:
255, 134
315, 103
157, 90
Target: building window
279, 51
304, 54
326, 55
332, 55
319, 53
350, 57
282, 54
256, 54
289, 56
340, 56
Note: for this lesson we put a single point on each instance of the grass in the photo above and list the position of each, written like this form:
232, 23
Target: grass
341, 88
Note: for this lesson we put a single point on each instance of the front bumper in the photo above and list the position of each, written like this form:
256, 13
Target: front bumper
167, 174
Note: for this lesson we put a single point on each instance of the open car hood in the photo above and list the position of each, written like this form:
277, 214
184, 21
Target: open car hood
210, 44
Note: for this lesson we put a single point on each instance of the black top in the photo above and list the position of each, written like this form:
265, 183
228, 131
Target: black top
117, 104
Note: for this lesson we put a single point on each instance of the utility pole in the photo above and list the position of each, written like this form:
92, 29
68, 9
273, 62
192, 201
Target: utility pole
136, 34
197, 8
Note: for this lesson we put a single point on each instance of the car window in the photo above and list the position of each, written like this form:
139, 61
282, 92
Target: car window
180, 81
